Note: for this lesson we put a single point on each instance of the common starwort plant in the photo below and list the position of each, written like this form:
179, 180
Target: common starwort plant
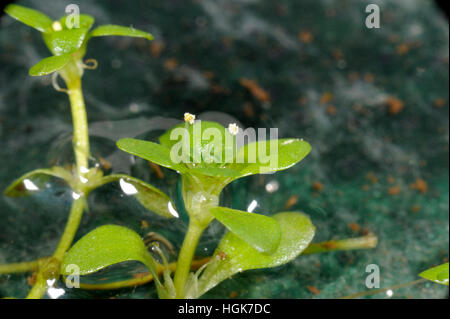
67, 40
206, 165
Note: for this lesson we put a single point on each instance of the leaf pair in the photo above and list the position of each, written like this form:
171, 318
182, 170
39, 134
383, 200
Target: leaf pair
66, 40
110, 244
147, 195
234, 254
189, 149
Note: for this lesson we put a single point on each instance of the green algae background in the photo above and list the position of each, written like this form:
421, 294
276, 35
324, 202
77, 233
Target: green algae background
373, 103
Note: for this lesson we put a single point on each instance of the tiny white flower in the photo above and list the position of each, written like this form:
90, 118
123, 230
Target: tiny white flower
189, 118
233, 128
56, 26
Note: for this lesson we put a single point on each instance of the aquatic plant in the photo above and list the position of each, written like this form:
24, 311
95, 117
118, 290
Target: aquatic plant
206, 167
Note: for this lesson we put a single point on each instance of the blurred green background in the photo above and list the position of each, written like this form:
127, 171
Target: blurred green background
373, 103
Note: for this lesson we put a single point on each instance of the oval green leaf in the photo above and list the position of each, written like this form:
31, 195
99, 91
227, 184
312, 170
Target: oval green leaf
30, 17
65, 41
438, 274
111, 29
149, 151
148, 196
270, 156
261, 232
234, 255
50, 65
36, 180
105, 246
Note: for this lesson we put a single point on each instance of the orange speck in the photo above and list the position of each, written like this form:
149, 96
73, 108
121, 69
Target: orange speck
354, 227
415, 208
369, 77
402, 49
171, 64
317, 186
420, 185
390, 179
209, 75
248, 110
233, 294
394, 190
327, 97
329, 245
291, 201
157, 170
32, 279
394, 105
259, 93
305, 36
141, 275
104, 163
439, 102
156, 48
144, 224
365, 187
372, 178
331, 110
313, 290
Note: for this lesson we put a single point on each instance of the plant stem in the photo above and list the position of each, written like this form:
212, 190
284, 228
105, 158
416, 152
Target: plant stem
39, 287
72, 76
80, 126
142, 278
185, 257
19, 267
365, 242
76, 212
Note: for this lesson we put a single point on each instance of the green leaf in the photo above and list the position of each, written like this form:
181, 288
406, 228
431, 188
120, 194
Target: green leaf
50, 65
438, 274
86, 21
148, 196
35, 181
30, 17
203, 143
261, 232
280, 155
111, 29
105, 246
234, 255
65, 41
149, 151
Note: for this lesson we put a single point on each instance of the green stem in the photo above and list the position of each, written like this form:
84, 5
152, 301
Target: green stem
72, 76
365, 242
76, 212
80, 126
19, 267
39, 287
185, 257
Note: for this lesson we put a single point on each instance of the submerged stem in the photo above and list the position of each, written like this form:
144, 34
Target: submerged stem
19, 267
185, 257
365, 242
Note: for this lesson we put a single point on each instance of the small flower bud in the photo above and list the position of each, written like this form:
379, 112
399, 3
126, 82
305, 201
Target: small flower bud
189, 118
233, 129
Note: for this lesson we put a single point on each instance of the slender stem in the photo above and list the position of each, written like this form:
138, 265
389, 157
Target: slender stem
19, 267
76, 212
185, 257
142, 278
39, 287
377, 291
72, 76
365, 242
80, 125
